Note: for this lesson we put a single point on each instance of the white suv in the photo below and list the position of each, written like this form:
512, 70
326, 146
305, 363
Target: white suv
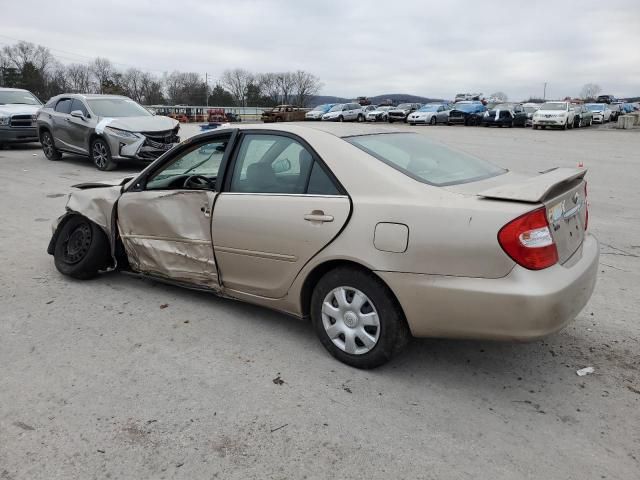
601, 112
345, 112
554, 114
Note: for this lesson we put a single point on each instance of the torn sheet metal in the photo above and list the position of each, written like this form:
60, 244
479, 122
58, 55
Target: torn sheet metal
96, 204
183, 262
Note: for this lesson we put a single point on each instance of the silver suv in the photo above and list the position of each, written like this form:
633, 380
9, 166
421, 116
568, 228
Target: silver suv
107, 128
345, 112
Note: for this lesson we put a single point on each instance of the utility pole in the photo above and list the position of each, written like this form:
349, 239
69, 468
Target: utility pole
206, 87
544, 95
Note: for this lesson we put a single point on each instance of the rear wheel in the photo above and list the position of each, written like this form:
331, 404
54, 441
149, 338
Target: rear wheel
81, 249
341, 118
361, 118
101, 155
357, 319
49, 147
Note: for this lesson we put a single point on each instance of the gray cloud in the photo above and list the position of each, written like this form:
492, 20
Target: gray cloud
356, 47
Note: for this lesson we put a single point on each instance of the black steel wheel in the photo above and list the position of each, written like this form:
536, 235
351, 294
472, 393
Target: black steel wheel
81, 248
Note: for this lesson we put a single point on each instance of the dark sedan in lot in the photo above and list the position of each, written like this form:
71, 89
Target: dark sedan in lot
466, 113
505, 115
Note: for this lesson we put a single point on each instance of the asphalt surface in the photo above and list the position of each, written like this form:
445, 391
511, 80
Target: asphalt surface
131, 379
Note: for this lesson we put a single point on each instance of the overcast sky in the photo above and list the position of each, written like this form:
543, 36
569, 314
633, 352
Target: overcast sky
357, 48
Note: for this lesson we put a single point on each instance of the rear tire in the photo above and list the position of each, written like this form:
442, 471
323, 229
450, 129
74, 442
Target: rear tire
361, 118
341, 118
81, 249
101, 155
348, 305
49, 147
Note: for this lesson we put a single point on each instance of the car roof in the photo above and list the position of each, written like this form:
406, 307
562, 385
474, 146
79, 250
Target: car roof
340, 130
90, 96
7, 89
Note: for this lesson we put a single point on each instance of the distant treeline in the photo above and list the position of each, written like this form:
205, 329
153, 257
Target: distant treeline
35, 68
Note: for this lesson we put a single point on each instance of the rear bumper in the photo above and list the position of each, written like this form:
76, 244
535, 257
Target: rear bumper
524, 305
19, 135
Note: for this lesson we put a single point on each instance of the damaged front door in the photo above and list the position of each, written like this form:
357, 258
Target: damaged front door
166, 226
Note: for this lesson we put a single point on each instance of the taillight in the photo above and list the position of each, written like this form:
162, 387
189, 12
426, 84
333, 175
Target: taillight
528, 241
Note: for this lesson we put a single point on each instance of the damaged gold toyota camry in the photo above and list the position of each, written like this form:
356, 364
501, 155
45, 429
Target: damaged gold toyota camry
376, 235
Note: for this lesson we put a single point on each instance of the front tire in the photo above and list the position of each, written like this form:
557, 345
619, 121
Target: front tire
81, 249
432, 121
49, 147
341, 118
357, 319
101, 155
360, 118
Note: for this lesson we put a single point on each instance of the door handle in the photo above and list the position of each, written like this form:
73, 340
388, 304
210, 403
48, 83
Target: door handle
318, 216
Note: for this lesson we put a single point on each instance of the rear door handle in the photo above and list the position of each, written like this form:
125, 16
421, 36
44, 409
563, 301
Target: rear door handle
318, 216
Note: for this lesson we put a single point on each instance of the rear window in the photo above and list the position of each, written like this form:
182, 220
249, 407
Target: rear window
424, 160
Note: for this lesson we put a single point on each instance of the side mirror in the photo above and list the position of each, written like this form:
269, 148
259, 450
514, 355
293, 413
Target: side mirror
282, 166
77, 114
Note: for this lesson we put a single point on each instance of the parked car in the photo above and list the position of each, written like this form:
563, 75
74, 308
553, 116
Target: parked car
466, 113
615, 112
109, 129
505, 115
317, 112
370, 267
426, 114
368, 108
461, 97
284, 113
601, 112
402, 111
554, 114
530, 109
583, 116
344, 112
18, 113
379, 114
605, 99
442, 118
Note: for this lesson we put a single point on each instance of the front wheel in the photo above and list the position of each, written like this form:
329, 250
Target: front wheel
361, 118
341, 118
432, 121
81, 249
101, 155
357, 319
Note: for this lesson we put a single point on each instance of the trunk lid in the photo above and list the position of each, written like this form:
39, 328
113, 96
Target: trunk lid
562, 191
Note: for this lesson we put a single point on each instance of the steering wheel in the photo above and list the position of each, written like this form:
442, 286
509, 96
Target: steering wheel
198, 181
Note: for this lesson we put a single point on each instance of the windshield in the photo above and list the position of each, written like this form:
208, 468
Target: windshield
337, 108
18, 97
320, 108
424, 160
465, 107
553, 106
594, 107
117, 107
404, 106
530, 109
430, 108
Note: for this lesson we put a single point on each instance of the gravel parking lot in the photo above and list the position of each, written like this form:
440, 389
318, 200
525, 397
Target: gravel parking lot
126, 378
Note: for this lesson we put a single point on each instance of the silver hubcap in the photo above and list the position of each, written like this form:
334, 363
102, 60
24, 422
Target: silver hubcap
100, 157
350, 320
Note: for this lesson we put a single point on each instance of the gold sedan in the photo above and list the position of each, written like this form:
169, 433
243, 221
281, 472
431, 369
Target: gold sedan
376, 235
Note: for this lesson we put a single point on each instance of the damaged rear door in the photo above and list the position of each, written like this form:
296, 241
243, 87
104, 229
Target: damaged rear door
165, 220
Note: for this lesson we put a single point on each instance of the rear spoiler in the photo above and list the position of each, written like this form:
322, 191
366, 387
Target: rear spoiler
534, 189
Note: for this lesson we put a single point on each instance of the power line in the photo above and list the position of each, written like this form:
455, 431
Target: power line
86, 62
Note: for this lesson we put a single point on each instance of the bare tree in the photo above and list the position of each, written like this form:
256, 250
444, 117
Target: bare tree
499, 96
132, 84
78, 78
237, 81
590, 90
23, 53
102, 71
268, 83
286, 84
305, 86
